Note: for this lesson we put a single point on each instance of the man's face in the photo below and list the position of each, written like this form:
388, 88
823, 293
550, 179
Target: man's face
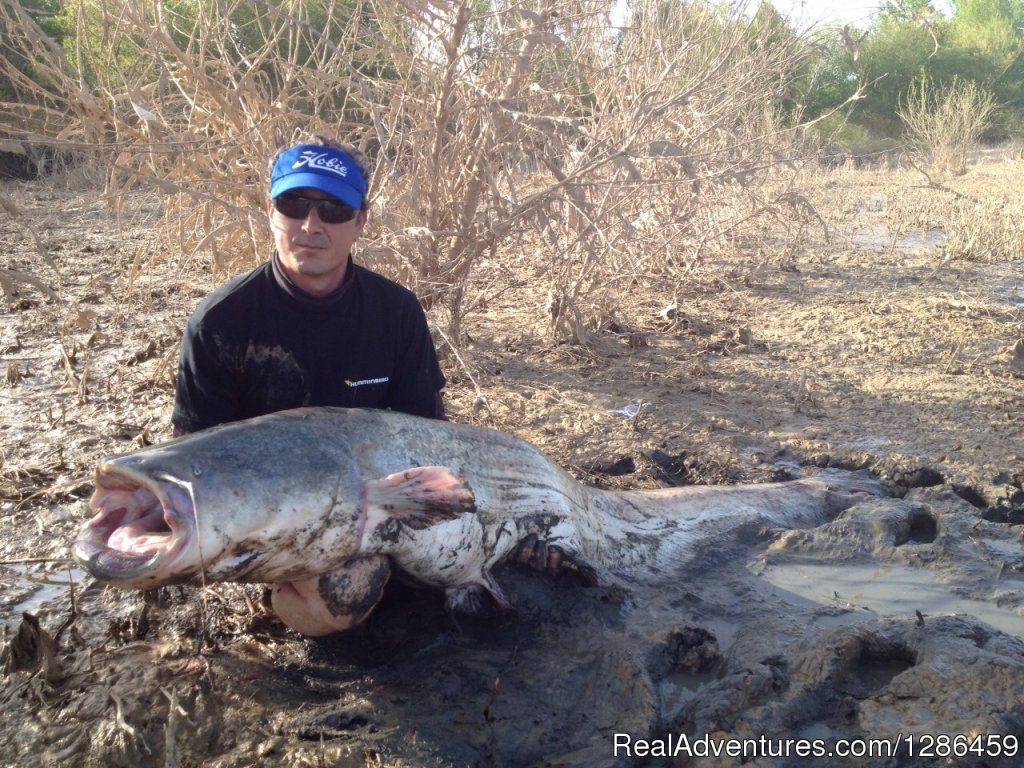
313, 254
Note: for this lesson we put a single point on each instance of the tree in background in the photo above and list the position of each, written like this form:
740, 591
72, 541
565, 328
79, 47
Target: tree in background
830, 78
985, 42
894, 54
982, 42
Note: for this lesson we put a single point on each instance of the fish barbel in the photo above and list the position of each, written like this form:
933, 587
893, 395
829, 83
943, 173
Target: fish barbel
323, 503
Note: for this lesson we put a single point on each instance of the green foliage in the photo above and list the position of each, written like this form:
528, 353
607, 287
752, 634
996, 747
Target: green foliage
829, 79
45, 13
894, 55
770, 30
97, 35
85, 34
982, 43
988, 36
907, 11
769, 27
989, 27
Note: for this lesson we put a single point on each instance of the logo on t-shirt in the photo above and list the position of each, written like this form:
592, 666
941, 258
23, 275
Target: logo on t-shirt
364, 382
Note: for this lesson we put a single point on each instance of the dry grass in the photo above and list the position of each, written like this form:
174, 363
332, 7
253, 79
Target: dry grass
11, 280
976, 225
990, 228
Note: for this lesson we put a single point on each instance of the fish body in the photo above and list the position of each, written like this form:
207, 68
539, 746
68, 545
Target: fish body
323, 503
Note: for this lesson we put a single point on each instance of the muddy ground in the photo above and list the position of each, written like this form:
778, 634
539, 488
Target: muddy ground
903, 618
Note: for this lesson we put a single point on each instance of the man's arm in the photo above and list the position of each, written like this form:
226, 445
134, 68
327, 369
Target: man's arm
417, 380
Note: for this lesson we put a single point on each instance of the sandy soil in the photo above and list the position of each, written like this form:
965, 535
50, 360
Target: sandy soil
866, 352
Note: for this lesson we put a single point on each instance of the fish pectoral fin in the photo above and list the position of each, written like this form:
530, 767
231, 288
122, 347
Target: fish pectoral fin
421, 496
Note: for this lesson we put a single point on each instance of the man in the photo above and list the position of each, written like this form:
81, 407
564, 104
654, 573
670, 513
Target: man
309, 327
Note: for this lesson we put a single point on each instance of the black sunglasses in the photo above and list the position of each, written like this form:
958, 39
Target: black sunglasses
329, 211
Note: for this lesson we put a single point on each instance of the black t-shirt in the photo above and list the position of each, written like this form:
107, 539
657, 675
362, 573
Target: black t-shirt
258, 345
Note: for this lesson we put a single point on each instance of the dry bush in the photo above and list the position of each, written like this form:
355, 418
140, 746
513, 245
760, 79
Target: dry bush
944, 123
597, 157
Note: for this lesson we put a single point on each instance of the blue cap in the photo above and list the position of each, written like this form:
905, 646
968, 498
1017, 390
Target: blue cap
312, 166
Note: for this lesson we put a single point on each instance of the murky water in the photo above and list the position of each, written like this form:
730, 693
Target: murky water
876, 235
30, 587
885, 590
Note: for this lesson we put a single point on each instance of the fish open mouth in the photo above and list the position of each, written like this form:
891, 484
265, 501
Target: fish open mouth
140, 527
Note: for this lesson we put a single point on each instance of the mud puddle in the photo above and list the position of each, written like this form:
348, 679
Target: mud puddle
877, 590
878, 236
30, 587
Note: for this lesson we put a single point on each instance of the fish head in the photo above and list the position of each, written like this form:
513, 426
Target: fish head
143, 531
266, 499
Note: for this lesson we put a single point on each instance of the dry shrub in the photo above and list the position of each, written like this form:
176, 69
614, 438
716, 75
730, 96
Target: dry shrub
944, 123
597, 157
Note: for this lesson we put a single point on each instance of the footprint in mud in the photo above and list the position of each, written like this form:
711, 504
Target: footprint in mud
332, 725
999, 503
870, 664
687, 656
921, 528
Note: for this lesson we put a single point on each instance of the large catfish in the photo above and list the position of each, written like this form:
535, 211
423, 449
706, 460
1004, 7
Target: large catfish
323, 503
